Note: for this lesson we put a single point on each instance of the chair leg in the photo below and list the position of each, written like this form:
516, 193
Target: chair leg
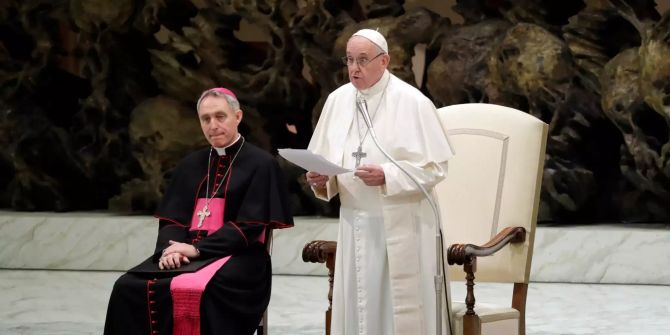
330, 264
472, 325
519, 303
263, 326
328, 322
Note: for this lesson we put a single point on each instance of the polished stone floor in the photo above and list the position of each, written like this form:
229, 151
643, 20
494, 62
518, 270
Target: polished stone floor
74, 302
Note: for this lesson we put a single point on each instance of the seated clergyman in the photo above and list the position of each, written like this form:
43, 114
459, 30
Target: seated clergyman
211, 271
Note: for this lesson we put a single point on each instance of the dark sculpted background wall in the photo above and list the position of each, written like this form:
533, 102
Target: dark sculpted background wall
97, 97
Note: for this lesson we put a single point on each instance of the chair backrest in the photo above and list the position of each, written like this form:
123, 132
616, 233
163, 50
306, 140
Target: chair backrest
493, 182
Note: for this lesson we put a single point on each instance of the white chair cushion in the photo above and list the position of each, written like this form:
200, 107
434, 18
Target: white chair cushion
495, 320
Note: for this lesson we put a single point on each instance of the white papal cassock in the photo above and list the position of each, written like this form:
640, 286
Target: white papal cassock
385, 261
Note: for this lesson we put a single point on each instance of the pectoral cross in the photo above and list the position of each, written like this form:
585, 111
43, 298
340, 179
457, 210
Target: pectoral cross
358, 154
204, 212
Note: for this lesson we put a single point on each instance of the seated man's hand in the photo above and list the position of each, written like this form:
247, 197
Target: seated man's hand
185, 249
176, 254
172, 261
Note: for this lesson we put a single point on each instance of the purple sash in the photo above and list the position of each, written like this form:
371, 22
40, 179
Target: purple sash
187, 288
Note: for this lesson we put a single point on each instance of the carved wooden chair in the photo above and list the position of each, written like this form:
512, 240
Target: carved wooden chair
489, 203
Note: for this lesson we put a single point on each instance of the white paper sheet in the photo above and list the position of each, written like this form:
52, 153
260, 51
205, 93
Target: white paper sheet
312, 162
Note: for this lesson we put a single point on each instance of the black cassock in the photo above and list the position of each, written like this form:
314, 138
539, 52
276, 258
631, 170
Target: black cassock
234, 299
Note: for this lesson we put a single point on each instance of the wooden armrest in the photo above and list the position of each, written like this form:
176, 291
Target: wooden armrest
466, 255
462, 253
318, 251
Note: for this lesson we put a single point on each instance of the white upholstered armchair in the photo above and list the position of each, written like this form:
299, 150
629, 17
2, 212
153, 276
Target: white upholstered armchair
489, 199
489, 203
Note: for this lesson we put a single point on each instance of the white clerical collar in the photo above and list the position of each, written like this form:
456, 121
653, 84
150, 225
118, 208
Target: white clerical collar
222, 151
378, 87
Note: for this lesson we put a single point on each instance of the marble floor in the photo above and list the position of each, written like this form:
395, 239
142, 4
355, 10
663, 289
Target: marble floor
74, 302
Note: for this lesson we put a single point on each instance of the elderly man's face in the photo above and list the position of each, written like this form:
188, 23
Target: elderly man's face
218, 121
361, 50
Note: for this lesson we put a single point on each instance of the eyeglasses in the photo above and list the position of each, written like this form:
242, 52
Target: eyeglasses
361, 61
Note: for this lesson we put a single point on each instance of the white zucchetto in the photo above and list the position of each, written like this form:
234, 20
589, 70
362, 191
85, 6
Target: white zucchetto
374, 37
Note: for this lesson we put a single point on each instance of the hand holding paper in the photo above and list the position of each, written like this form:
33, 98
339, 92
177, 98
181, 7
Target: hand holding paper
311, 162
